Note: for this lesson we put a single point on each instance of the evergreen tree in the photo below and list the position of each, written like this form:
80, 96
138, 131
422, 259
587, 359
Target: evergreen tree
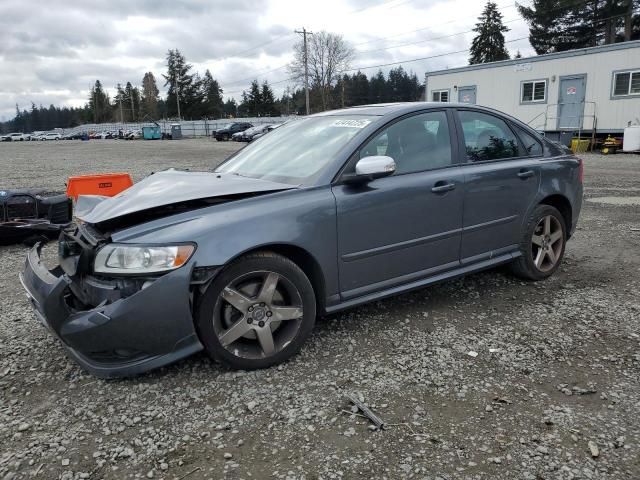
377, 88
132, 103
549, 25
285, 103
120, 104
39, 118
183, 84
267, 101
150, 93
358, 93
99, 104
488, 45
230, 108
251, 101
213, 104
560, 25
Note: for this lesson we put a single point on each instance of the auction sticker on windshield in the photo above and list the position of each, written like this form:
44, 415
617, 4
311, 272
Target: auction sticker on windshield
351, 123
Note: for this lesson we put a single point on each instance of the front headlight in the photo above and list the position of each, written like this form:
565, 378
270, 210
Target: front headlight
141, 259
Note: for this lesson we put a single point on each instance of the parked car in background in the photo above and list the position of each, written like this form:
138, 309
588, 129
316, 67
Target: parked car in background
34, 136
267, 129
74, 136
14, 137
237, 137
225, 133
322, 214
250, 133
50, 136
132, 134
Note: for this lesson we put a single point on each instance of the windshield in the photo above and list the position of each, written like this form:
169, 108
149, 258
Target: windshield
298, 150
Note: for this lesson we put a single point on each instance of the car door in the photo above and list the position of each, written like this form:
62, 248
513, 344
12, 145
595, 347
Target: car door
501, 180
406, 226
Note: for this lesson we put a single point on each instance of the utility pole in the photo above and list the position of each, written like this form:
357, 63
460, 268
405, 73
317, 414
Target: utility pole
426, 80
175, 87
119, 90
133, 113
95, 105
304, 34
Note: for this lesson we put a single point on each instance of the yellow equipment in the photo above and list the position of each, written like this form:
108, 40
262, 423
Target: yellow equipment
610, 145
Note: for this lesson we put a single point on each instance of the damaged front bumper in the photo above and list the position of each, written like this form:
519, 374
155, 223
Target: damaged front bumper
120, 337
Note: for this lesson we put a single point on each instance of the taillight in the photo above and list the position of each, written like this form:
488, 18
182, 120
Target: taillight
580, 170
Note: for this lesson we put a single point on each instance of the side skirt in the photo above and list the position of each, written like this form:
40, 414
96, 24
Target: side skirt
451, 274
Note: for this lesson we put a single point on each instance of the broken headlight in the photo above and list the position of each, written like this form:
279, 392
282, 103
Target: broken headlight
141, 259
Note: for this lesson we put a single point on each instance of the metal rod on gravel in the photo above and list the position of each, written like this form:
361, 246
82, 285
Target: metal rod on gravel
377, 421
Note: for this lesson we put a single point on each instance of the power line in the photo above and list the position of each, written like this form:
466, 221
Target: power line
255, 75
439, 24
242, 52
501, 9
429, 39
370, 7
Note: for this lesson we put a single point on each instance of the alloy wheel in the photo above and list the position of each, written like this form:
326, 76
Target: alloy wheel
258, 314
547, 243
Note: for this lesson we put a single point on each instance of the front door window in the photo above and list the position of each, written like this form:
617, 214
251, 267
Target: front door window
416, 144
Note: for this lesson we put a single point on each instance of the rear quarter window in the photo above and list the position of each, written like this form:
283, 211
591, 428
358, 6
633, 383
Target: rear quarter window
531, 146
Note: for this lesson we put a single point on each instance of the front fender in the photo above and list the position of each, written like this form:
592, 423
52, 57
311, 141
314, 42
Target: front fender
303, 218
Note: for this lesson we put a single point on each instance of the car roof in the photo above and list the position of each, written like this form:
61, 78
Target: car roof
398, 108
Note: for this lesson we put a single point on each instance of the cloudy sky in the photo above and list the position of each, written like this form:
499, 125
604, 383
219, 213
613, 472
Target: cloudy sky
53, 52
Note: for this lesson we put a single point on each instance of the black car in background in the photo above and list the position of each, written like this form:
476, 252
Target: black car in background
225, 133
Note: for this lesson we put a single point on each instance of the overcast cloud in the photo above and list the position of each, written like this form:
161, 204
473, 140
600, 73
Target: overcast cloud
53, 52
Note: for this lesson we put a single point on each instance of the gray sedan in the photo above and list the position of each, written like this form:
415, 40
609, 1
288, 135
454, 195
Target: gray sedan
323, 214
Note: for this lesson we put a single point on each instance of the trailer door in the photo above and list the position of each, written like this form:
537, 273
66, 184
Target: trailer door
571, 102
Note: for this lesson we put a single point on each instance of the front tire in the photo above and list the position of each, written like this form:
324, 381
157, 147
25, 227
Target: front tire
257, 312
543, 242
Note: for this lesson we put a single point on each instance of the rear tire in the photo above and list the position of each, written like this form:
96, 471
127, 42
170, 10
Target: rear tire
257, 312
542, 244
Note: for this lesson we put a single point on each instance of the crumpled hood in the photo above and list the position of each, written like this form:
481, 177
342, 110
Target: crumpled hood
170, 187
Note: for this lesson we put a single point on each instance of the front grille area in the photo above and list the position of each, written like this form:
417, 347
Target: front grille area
60, 211
21, 206
30, 204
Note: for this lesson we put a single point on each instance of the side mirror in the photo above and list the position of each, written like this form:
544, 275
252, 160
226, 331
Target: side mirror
370, 168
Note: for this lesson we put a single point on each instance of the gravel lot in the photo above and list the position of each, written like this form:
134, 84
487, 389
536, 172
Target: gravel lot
553, 393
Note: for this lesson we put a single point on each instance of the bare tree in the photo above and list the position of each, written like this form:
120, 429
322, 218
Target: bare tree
329, 56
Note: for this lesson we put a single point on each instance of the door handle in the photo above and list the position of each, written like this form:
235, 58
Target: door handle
524, 174
442, 187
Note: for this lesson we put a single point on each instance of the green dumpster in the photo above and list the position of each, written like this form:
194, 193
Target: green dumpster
151, 133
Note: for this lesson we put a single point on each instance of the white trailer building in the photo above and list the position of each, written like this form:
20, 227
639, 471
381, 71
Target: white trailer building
587, 91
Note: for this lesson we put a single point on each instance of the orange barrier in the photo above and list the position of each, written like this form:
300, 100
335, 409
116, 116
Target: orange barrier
107, 184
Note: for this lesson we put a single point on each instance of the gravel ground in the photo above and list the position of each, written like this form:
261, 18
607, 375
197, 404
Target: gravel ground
553, 393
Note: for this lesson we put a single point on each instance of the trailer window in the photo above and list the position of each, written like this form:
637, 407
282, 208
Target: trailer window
533, 91
440, 95
626, 83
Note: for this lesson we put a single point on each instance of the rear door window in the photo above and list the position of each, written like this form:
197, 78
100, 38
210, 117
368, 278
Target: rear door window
487, 137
